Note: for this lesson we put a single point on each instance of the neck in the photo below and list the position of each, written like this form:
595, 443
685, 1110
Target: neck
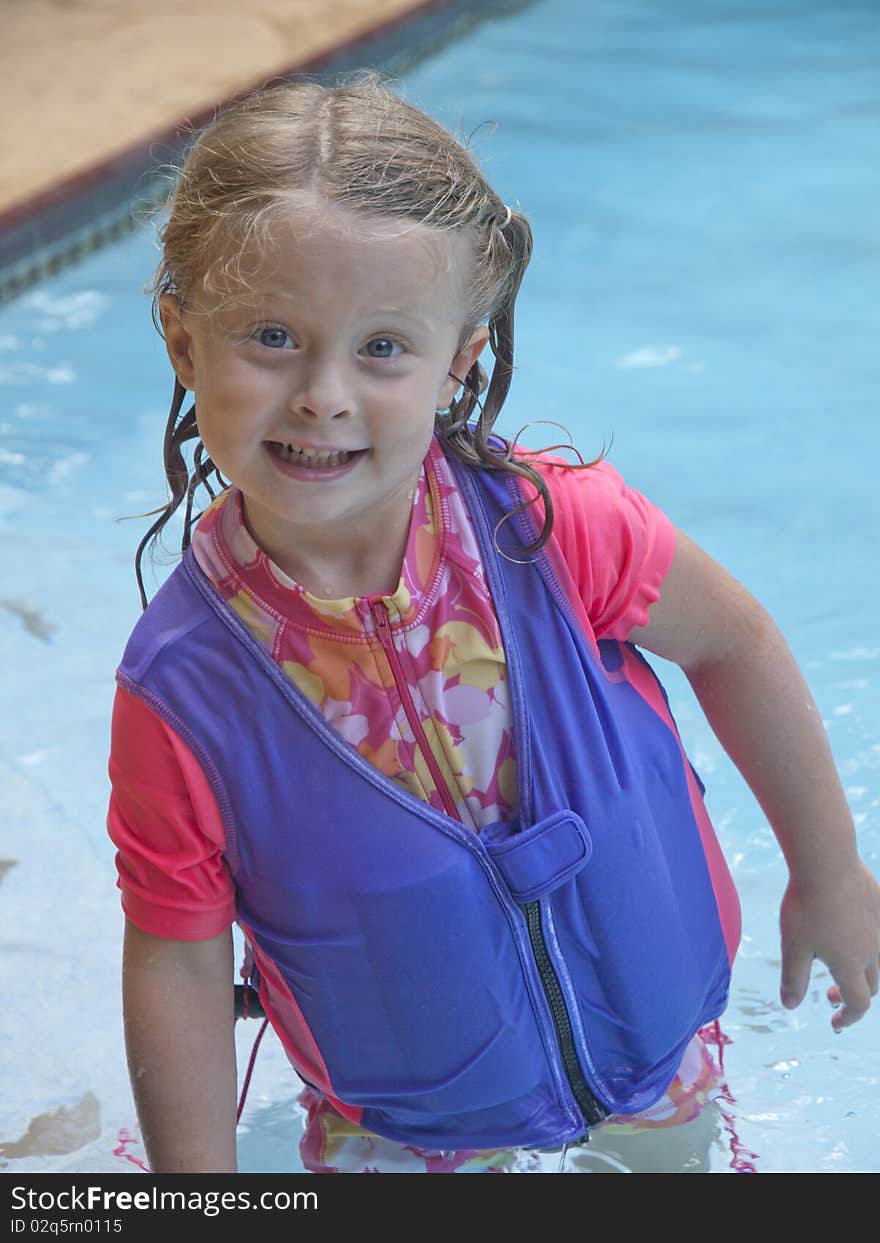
336, 564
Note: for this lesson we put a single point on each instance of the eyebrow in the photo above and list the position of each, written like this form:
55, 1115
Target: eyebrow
270, 306
409, 316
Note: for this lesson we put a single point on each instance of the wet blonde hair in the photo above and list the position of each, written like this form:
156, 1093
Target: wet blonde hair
358, 145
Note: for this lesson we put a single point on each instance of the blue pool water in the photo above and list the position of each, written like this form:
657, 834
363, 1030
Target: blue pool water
702, 182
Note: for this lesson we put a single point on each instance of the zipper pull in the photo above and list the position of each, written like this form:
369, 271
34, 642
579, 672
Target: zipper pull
383, 622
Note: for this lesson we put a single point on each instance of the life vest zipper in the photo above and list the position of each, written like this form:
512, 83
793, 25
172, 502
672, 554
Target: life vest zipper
386, 638
591, 1109
587, 1103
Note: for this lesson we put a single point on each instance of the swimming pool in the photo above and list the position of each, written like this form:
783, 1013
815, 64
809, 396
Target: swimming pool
701, 182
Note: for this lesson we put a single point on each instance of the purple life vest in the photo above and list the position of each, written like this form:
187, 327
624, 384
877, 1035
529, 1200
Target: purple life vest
510, 987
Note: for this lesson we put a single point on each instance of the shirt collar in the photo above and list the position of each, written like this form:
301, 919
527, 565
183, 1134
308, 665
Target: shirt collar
249, 569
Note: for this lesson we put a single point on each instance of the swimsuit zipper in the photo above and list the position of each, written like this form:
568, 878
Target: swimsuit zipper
383, 627
591, 1109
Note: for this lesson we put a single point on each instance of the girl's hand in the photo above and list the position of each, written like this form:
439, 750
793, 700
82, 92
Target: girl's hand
839, 923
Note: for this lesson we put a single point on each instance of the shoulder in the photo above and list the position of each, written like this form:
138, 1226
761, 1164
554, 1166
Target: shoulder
615, 544
175, 611
595, 483
593, 500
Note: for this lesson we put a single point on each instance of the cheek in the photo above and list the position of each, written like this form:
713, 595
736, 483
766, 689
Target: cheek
214, 437
226, 386
219, 415
230, 398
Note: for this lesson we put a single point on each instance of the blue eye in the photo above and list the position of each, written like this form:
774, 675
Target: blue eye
382, 347
273, 337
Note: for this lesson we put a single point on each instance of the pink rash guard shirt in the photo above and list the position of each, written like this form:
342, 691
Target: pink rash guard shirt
611, 549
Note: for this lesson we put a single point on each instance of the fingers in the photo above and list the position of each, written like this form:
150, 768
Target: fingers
872, 975
797, 963
852, 994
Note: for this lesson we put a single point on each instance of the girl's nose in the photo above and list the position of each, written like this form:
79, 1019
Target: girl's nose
321, 391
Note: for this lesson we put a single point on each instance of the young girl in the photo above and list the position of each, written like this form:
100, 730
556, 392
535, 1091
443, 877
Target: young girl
389, 714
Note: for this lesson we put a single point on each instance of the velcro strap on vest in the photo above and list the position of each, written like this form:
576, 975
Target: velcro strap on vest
540, 859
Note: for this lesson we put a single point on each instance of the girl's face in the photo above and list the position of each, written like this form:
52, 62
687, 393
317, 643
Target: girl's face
316, 388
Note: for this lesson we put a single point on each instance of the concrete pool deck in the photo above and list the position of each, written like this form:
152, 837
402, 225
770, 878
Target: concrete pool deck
100, 96
84, 81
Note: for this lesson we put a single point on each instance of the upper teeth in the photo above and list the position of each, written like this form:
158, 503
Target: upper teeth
321, 457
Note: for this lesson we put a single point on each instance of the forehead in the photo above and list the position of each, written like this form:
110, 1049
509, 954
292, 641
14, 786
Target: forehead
312, 249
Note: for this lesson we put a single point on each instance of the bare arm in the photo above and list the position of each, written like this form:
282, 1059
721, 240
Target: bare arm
757, 702
178, 1011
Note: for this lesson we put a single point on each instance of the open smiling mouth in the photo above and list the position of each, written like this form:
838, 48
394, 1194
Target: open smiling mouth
314, 459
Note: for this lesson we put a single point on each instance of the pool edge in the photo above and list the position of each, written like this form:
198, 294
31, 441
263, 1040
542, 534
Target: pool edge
59, 225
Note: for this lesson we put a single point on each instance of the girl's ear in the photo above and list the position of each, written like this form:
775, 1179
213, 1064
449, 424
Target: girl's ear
461, 365
178, 340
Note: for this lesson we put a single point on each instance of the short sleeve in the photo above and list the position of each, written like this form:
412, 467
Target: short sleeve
617, 545
166, 826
